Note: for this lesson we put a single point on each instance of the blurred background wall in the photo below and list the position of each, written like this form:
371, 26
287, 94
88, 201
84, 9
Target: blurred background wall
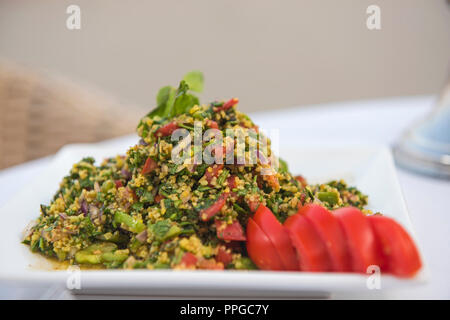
56, 84
270, 54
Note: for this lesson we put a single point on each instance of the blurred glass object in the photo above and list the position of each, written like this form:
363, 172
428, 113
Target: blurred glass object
425, 147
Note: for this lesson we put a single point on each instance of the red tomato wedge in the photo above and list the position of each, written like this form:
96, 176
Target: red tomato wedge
398, 250
278, 235
260, 249
208, 213
361, 241
311, 251
149, 166
229, 232
331, 233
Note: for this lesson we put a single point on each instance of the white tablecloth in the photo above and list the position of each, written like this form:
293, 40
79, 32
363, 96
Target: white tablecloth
359, 122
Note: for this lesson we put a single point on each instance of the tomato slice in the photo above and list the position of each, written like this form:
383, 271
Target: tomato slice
398, 250
361, 241
167, 129
311, 251
278, 235
149, 166
260, 249
331, 233
229, 232
208, 213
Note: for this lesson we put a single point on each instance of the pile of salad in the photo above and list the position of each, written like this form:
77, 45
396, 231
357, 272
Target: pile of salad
145, 210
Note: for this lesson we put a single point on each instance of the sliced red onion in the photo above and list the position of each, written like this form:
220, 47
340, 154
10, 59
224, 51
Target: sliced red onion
63, 215
84, 207
142, 236
126, 174
143, 143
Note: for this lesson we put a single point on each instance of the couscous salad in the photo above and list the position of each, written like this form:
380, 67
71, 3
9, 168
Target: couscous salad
189, 195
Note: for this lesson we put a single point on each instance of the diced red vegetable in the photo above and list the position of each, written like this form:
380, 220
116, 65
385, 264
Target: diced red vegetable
302, 180
167, 129
214, 172
231, 180
224, 255
227, 105
149, 166
118, 184
212, 124
272, 181
189, 260
229, 232
210, 264
208, 213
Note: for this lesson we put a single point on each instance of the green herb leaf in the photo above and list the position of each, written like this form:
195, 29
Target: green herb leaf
195, 80
164, 102
331, 197
171, 102
283, 166
183, 100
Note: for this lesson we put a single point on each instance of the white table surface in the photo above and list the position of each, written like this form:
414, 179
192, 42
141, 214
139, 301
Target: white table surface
359, 122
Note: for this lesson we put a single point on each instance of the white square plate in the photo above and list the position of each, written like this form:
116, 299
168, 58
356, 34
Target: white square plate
371, 169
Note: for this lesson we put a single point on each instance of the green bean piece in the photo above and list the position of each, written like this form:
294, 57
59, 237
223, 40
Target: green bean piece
93, 253
130, 222
116, 256
330, 197
173, 232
